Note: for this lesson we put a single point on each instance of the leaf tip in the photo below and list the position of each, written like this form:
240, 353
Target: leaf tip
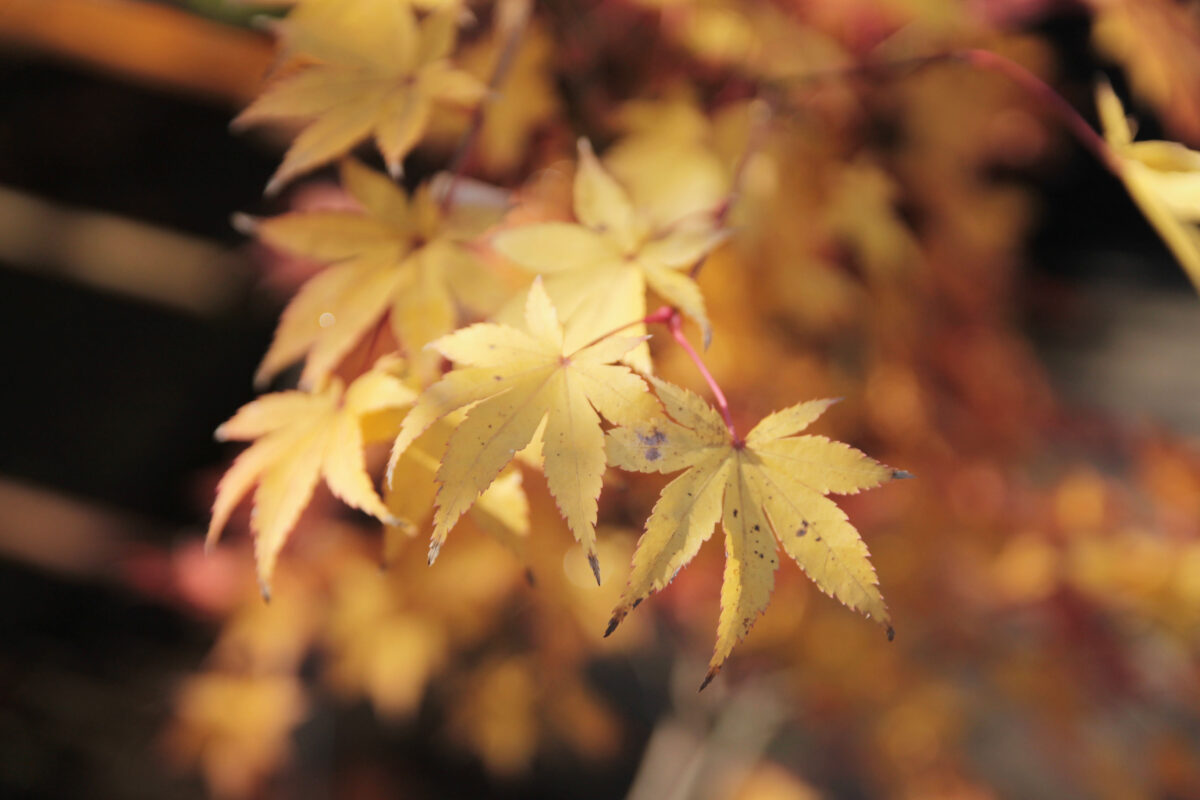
395, 167
276, 183
891, 633
264, 589
244, 224
902, 475
594, 563
617, 616
435, 547
712, 673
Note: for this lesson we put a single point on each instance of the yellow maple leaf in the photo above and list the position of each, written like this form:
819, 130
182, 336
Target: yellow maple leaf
300, 437
502, 510
399, 257
368, 69
768, 488
596, 271
514, 382
1163, 178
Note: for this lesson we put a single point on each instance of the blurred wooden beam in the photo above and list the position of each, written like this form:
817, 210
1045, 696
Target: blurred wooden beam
63, 535
119, 255
148, 43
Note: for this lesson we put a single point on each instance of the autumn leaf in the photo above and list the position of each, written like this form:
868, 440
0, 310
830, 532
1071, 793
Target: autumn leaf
1158, 44
1163, 178
404, 258
368, 69
769, 488
596, 271
514, 382
299, 438
502, 510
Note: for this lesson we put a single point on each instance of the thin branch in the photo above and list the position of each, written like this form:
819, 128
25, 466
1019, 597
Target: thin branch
1041, 91
675, 323
516, 21
760, 124
1051, 100
662, 315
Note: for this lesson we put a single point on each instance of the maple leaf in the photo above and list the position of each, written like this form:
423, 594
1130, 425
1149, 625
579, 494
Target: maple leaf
398, 257
300, 437
1163, 178
597, 271
514, 381
768, 488
502, 510
369, 69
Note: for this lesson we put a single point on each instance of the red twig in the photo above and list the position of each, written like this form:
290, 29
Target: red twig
1051, 100
663, 314
1045, 94
673, 319
675, 323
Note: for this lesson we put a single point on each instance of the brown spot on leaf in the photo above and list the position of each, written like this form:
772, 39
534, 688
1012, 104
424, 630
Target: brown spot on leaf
652, 454
803, 529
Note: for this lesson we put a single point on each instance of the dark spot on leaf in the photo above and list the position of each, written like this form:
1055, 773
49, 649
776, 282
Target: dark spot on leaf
803, 529
652, 454
756, 527
818, 538
653, 438
496, 377
735, 513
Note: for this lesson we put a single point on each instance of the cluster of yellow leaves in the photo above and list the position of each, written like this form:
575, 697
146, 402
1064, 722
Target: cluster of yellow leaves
596, 270
547, 384
361, 68
830, 287
547, 388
